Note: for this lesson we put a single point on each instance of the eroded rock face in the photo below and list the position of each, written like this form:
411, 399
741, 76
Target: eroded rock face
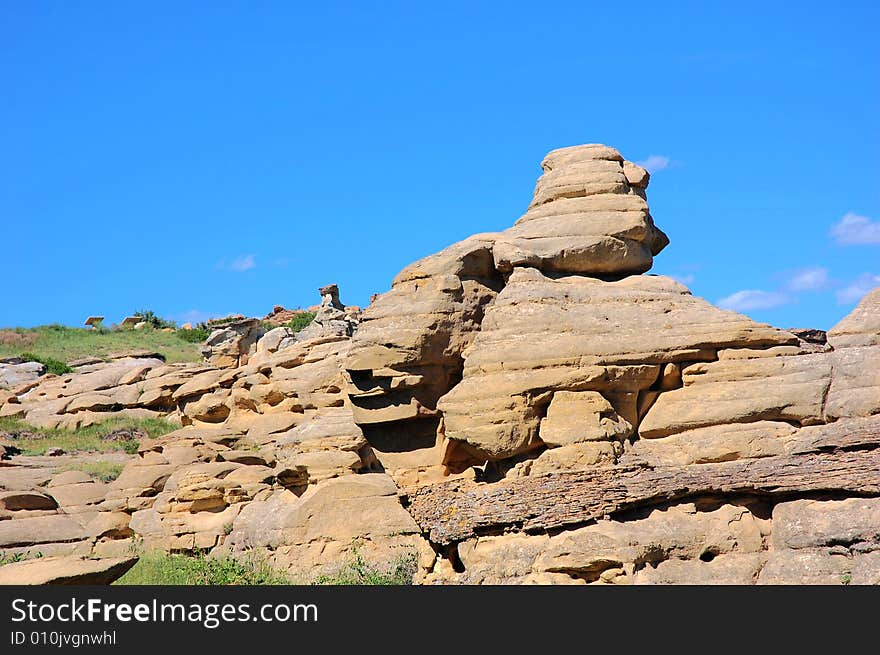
602, 425
228, 346
855, 385
628, 340
588, 215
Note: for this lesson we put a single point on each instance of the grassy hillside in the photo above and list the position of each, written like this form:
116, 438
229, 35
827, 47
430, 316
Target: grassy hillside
67, 344
37, 441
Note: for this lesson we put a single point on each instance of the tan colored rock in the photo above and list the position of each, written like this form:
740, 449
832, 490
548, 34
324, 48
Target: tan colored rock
817, 523
742, 391
268, 424
407, 350
26, 500
69, 477
716, 443
574, 457
208, 408
855, 383
78, 495
865, 569
41, 530
637, 176
728, 569
546, 335
679, 532
321, 465
579, 416
861, 327
65, 571
336, 510
199, 384
228, 345
805, 567
500, 560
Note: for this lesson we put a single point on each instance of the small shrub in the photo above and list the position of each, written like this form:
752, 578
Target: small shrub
301, 321
157, 322
196, 335
18, 557
54, 366
357, 571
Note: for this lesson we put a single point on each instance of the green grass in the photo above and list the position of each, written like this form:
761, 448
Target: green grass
84, 439
301, 321
358, 571
172, 569
18, 557
53, 366
196, 335
65, 344
106, 471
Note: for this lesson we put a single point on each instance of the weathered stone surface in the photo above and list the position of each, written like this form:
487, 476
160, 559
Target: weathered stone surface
861, 327
41, 530
318, 528
14, 375
742, 391
69, 477
717, 443
814, 523
729, 569
228, 346
25, 500
814, 567
578, 416
676, 533
574, 457
855, 385
603, 427
546, 335
66, 571
276, 339
407, 350
79, 495
843, 459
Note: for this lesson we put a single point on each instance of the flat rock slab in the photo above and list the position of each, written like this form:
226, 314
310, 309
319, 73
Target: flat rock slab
840, 458
19, 500
65, 571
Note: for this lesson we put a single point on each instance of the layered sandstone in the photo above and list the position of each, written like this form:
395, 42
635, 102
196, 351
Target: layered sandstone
526, 406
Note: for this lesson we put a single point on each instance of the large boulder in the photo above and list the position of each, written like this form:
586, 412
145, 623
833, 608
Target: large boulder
855, 384
69, 570
624, 339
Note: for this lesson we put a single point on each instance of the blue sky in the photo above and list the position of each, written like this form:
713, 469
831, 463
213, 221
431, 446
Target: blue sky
197, 160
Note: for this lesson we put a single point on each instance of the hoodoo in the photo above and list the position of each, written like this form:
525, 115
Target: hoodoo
526, 406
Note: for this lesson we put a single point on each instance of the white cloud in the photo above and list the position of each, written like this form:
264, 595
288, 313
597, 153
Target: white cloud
808, 279
239, 264
853, 228
686, 280
751, 299
854, 291
193, 316
655, 163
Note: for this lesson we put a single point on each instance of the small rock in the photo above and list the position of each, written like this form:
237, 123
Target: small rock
54, 452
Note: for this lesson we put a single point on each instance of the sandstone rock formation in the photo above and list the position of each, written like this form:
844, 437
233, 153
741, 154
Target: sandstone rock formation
524, 406
15, 372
